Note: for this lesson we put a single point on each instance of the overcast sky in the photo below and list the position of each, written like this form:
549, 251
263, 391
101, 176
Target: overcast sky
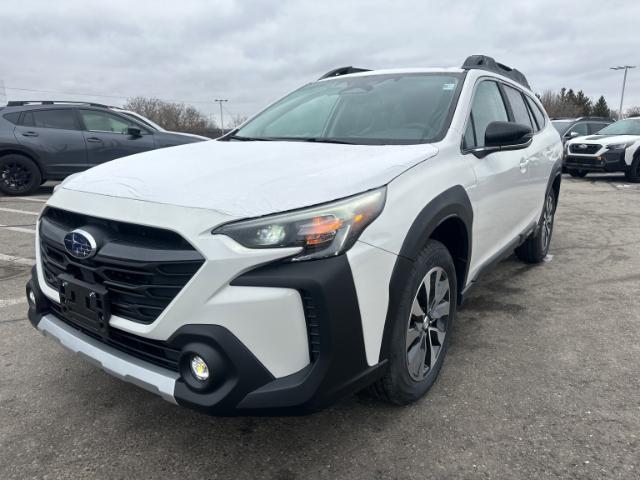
252, 52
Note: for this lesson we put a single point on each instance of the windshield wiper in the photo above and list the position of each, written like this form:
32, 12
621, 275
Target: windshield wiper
247, 139
321, 140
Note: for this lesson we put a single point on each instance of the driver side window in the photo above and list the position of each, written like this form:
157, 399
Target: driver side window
487, 107
95, 121
580, 128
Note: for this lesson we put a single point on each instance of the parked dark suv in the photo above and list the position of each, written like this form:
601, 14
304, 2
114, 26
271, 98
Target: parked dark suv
45, 140
569, 128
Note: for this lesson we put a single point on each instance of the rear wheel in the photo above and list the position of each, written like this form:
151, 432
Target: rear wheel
19, 175
422, 327
536, 246
633, 174
578, 173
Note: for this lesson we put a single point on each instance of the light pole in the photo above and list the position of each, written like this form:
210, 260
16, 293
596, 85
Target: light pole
624, 83
219, 101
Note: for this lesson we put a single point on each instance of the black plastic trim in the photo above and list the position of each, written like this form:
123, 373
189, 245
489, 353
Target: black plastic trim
341, 365
484, 62
452, 203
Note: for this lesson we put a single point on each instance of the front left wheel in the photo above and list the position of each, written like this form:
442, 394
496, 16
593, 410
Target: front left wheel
421, 327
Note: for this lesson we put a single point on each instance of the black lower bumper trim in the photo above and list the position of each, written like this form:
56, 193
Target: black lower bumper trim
341, 364
239, 383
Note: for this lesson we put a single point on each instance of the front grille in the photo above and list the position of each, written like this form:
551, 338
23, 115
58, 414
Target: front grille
313, 325
143, 268
589, 148
152, 351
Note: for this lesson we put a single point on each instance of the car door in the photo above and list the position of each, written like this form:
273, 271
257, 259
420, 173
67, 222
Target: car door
108, 138
53, 135
497, 194
532, 160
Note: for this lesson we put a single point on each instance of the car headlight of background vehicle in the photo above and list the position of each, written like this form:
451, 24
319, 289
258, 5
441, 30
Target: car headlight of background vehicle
620, 146
320, 231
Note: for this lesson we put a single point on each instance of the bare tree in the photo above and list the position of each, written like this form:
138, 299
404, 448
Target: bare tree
632, 112
237, 120
176, 117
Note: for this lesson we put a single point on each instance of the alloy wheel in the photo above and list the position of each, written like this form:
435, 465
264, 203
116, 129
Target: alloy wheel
547, 222
15, 176
428, 322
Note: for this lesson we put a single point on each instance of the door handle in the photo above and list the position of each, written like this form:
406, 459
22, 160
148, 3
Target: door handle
523, 164
30, 134
94, 140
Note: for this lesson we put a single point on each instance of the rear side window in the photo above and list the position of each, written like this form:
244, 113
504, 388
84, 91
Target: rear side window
12, 117
61, 119
487, 107
537, 113
518, 107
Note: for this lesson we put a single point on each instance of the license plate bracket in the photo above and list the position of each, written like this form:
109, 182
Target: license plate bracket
85, 304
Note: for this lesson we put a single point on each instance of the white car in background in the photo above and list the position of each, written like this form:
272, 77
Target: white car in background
615, 148
321, 248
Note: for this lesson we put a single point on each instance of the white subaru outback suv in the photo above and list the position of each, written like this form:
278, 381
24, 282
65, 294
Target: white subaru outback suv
319, 249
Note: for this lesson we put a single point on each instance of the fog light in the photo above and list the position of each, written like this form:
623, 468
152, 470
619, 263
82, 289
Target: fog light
199, 368
32, 298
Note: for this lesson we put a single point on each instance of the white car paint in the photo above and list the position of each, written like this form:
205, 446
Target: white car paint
222, 181
604, 141
251, 179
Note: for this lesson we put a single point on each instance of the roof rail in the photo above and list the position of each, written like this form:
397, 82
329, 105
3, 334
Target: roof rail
343, 71
482, 62
22, 103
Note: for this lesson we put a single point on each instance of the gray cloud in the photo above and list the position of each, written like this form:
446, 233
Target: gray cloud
252, 52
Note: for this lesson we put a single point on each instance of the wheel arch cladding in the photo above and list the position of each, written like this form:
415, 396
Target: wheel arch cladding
447, 218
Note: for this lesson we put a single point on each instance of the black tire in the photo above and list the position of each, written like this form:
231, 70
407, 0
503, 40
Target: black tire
578, 173
19, 175
536, 246
398, 384
633, 174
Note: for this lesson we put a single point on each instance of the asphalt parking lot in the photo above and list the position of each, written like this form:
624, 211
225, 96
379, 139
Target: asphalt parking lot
542, 380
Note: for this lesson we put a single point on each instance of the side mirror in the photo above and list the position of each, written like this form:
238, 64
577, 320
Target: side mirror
134, 131
572, 135
501, 136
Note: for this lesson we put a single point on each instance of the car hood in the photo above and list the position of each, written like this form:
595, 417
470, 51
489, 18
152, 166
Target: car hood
606, 139
250, 179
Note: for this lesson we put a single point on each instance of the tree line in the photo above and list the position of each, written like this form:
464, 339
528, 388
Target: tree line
568, 103
178, 117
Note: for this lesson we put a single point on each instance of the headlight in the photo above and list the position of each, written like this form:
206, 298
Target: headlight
619, 146
320, 231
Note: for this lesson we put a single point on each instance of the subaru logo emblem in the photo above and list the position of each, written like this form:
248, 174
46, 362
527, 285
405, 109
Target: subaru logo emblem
582, 145
80, 244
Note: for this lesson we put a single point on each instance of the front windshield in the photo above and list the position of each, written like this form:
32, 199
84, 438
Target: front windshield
630, 126
372, 109
561, 125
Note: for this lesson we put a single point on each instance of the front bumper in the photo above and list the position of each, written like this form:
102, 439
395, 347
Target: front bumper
241, 384
609, 161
